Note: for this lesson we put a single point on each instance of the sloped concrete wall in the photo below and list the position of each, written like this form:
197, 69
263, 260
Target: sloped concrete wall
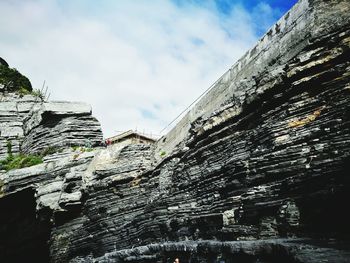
305, 23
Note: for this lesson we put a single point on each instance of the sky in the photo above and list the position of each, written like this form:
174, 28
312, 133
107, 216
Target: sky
139, 63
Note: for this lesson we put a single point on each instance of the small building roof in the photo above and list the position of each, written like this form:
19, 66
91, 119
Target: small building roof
128, 134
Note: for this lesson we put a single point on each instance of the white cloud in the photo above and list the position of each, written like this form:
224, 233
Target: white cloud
139, 63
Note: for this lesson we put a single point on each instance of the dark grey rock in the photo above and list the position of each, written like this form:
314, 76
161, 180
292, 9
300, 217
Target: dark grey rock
259, 175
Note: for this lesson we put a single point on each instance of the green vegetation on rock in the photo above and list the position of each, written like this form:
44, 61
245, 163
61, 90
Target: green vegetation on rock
9, 148
19, 161
22, 160
12, 80
81, 148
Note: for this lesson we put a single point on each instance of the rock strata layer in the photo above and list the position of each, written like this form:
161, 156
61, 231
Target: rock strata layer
259, 175
13, 111
31, 126
60, 124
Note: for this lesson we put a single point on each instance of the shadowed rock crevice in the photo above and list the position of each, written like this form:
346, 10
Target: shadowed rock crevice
23, 236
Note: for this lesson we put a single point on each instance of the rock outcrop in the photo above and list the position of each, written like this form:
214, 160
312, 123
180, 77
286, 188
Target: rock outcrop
259, 174
60, 124
13, 111
31, 198
31, 125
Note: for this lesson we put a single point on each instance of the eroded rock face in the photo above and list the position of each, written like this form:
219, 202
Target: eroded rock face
13, 110
31, 125
60, 124
261, 176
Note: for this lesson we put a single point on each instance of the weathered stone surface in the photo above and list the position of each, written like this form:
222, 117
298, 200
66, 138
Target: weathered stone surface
13, 110
60, 124
37, 114
259, 175
32, 125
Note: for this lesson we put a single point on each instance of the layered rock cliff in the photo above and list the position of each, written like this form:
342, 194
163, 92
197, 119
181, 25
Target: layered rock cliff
31, 198
256, 172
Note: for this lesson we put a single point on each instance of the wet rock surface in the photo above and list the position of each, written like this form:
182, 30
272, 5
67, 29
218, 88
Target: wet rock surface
261, 178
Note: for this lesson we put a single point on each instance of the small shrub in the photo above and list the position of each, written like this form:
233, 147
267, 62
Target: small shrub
19, 161
82, 149
39, 94
162, 153
75, 147
22, 91
9, 148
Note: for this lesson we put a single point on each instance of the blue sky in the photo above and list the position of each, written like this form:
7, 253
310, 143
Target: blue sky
138, 63
282, 6
259, 9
